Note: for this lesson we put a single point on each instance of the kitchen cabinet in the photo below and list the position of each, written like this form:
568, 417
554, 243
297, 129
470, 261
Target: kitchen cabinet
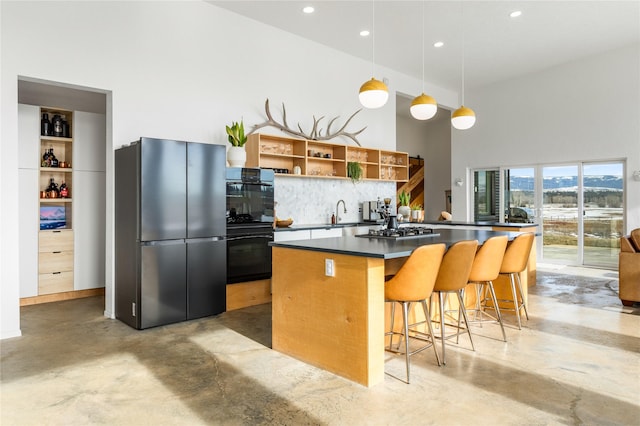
314, 233
56, 246
55, 261
323, 159
302, 234
326, 233
89, 199
369, 160
62, 240
306, 234
28, 201
357, 230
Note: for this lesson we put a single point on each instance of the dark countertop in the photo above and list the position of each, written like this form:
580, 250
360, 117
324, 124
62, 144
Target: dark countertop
324, 226
487, 224
389, 249
515, 226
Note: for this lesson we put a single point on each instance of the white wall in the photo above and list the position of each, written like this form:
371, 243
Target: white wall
175, 70
432, 141
581, 111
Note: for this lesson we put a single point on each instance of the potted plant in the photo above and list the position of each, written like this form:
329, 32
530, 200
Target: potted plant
417, 214
403, 200
354, 171
236, 155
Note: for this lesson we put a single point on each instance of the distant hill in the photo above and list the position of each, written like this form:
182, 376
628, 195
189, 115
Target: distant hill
590, 182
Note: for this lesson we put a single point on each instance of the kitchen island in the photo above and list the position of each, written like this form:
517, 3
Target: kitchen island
328, 298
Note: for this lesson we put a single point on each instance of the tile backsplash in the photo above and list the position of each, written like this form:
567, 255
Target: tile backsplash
311, 201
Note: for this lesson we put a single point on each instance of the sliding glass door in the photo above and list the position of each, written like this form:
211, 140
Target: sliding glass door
486, 199
583, 213
560, 214
603, 213
579, 207
519, 195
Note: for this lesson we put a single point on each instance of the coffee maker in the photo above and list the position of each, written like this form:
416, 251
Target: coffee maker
372, 211
376, 211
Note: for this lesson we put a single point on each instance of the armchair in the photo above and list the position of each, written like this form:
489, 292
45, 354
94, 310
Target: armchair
629, 268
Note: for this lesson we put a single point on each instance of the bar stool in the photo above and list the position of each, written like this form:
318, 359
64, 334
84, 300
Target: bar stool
452, 278
485, 269
515, 261
414, 283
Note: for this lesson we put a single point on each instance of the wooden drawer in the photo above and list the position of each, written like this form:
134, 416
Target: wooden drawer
55, 241
55, 282
57, 261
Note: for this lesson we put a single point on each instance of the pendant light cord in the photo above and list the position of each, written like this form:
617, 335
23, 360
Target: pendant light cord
373, 37
423, 1
462, 31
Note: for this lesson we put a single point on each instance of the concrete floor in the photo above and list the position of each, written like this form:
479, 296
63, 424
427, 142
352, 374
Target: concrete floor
575, 362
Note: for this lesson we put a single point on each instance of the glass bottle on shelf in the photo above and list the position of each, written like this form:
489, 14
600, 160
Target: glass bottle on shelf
54, 160
64, 191
57, 125
65, 127
52, 189
45, 158
45, 125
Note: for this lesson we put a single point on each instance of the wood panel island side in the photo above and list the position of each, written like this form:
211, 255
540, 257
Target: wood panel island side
328, 298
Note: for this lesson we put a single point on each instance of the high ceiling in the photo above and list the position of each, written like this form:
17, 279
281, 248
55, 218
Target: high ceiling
496, 47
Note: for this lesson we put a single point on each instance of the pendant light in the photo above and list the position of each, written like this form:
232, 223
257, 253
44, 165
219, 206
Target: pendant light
373, 93
463, 118
423, 107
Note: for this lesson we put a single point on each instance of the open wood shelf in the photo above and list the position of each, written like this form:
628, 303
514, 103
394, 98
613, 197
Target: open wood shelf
324, 159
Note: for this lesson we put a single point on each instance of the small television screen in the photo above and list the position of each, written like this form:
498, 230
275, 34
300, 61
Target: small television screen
52, 217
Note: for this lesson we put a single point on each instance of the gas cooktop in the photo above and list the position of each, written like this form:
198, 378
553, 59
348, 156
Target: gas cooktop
403, 233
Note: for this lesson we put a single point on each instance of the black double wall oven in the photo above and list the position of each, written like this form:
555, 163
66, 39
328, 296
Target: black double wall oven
250, 210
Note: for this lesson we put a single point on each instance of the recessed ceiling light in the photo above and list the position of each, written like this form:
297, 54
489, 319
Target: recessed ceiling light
438, 44
308, 9
515, 13
364, 33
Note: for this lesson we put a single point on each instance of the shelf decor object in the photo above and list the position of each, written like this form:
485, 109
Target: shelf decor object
403, 202
463, 118
354, 171
373, 93
315, 133
236, 155
423, 107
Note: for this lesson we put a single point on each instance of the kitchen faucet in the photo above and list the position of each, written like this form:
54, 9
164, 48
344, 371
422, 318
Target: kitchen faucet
344, 206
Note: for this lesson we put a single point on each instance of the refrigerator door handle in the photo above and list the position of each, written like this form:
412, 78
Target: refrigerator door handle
162, 242
246, 237
239, 182
203, 240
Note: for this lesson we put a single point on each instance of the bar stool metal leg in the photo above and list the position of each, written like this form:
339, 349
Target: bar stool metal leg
393, 316
497, 308
441, 312
515, 301
405, 317
523, 304
427, 315
464, 314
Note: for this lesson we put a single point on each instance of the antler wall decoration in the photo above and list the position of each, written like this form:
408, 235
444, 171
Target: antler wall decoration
315, 133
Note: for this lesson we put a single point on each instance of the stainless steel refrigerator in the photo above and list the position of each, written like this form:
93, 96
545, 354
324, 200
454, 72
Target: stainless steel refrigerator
170, 226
